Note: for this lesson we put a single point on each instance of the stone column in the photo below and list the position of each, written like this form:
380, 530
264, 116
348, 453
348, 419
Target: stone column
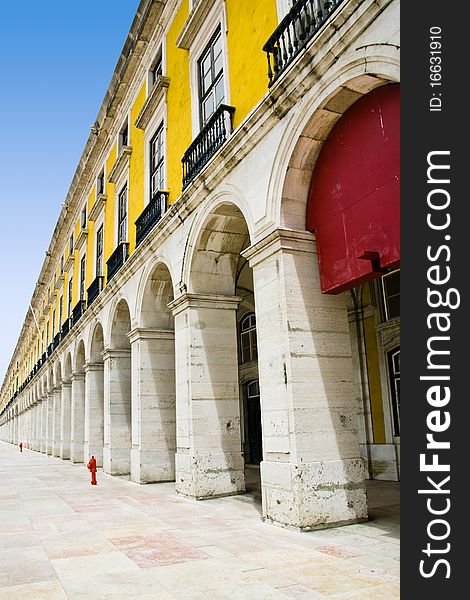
94, 398
49, 420
312, 474
153, 405
36, 426
117, 411
209, 461
65, 417
42, 424
77, 433
57, 399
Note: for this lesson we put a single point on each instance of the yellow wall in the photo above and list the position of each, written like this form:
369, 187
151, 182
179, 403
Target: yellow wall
179, 134
249, 25
90, 243
109, 209
373, 373
136, 169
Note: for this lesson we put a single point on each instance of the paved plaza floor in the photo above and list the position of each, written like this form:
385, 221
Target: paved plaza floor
62, 538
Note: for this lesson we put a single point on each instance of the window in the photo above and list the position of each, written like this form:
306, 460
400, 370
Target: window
53, 323
61, 265
248, 344
47, 332
71, 244
211, 78
394, 372
61, 308
157, 162
69, 298
124, 135
99, 251
156, 69
83, 218
100, 183
82, 277
391, 295
122, 216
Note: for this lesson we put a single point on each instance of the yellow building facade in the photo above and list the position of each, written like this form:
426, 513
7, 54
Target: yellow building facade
195, 174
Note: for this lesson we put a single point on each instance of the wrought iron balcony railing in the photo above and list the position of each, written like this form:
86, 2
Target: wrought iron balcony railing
78, 311
150, 216
294, 32
117, 259
56, 341
66, 327
212, 136
94, 290
50, 349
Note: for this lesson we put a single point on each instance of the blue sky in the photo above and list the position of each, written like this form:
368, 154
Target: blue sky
56, 63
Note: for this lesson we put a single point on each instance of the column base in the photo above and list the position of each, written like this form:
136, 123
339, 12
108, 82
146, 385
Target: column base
152, 466
383, 461
76, 452
314, 495
209, 475
56, 449
49, 448
116, 461
90, 450
64, 451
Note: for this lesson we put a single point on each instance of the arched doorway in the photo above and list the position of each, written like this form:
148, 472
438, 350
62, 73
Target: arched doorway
210, 460
153, 386
77, 425
94, 398
117, 395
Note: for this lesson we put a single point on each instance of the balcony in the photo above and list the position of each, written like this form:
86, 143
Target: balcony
150, 216
117, 259
66, 327
49, 350
78, 311
212, 136
94, 290
294, 32
56, 341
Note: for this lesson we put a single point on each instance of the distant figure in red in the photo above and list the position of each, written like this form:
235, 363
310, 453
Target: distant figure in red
21, 446
91, 466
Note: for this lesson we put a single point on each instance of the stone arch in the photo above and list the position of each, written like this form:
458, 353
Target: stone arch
156, 290
94, 426
309, 127
208, 313
118, 401
154, 385
214, 260
67, 373
79, 362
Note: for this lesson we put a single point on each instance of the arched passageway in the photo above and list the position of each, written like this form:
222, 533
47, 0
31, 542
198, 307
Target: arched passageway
153, 382
117, 395
94, 398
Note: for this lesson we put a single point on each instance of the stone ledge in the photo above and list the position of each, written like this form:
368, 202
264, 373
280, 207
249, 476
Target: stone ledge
97, 207
193, 23
121, 163
157, 94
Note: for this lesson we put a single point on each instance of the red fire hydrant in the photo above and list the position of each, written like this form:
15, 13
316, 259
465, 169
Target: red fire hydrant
91, 466
21, 446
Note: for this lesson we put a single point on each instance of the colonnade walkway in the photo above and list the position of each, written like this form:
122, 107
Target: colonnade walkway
62, 538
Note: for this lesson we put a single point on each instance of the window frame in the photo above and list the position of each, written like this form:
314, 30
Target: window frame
161, 164
216, 77
216, 18
82, 277
69, 298
99, 262
122, 219
124, 135
250, 333
385, 298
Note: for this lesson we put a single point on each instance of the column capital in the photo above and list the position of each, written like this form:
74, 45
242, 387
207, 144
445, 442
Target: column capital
280, 239
115, 353
77, 376
146, 333
189, 300
66, 384
96, 366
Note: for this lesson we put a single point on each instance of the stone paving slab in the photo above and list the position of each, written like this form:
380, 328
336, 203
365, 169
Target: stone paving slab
61, 538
